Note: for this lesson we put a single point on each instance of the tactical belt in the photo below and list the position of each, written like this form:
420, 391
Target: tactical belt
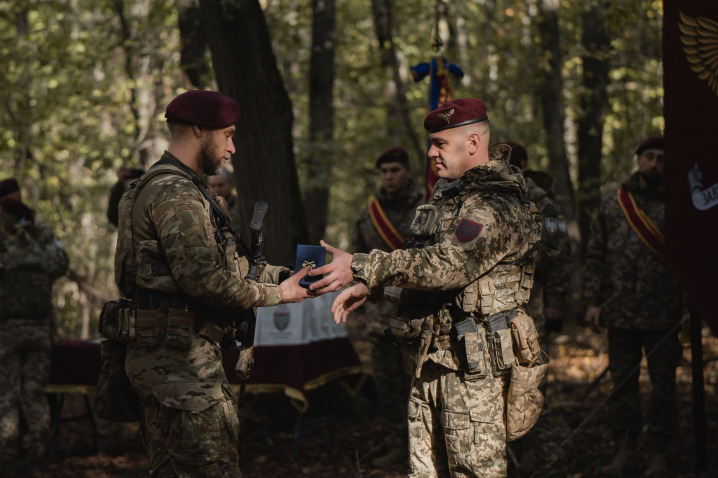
153, 312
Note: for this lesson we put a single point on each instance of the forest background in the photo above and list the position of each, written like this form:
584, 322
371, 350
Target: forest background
324, 87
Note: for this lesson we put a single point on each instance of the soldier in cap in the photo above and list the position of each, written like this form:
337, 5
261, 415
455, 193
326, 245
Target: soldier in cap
28, 268
222, 184
182, 268
470, 268
630, 290
384, 225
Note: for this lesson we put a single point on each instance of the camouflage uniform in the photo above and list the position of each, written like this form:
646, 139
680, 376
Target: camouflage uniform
392, 384
28, 266
189, 417
553, 272
475, 229
640, 303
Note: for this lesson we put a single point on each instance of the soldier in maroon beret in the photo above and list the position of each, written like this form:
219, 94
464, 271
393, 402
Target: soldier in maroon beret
173, 226
461, 282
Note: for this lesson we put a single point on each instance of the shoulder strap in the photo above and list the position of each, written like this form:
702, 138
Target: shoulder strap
646, 229
385, 228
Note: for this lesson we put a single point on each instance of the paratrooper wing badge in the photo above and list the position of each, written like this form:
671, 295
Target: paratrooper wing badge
447, 116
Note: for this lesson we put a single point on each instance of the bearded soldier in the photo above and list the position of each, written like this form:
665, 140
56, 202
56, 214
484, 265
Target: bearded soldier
630, 290
182, 268
383, 225
460, 286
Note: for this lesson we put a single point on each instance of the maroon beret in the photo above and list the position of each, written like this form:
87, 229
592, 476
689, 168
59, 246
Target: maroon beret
210, 109
8, 186
650, 143
518, 154
397, 154
17, 209
455, 113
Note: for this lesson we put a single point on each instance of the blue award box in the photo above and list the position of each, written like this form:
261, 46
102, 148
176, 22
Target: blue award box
312, 256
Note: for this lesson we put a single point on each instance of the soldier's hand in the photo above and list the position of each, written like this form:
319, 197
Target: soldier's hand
339, 271
593, 313
292, 292
349, 299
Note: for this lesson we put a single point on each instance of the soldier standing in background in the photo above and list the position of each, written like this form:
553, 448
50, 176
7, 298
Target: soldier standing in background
471, 266
547, 304
222, 184
181, 266
31, 259
383, 225
630, 290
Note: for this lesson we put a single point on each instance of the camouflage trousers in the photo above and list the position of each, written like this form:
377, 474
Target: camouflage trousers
392, 385
625, 351
456, 422
25, 359
189, 418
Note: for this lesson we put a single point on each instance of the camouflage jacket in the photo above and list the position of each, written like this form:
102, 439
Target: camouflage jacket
172, 225
630, 283
553, 262
400, 212
485, 224
29, 264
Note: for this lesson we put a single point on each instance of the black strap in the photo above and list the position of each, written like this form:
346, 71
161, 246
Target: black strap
216, 208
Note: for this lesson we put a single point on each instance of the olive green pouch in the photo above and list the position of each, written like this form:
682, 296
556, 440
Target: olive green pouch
118, 320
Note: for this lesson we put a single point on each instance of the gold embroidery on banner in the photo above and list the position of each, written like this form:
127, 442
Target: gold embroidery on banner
700, 41
309, 264
447, 116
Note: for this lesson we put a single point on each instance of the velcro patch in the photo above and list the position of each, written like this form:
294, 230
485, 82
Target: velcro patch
468, 230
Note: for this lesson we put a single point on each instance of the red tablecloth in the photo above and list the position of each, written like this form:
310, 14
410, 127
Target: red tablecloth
288, 369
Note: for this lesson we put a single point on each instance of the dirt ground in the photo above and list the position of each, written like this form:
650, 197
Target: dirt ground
339, 435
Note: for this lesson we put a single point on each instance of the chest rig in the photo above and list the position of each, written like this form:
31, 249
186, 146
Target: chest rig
25, 284
155, 308
489, 302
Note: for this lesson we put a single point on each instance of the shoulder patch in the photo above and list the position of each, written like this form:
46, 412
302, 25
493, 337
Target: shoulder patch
468, 230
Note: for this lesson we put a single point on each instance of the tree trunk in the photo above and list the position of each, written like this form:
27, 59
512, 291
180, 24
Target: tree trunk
552, 106
394, 92
590, 123
264, 166
321, 118
193, 43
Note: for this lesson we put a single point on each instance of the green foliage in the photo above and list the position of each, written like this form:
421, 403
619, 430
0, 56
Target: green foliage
81, 95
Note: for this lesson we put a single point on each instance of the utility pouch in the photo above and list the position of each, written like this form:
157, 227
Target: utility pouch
118, 321
425, 220
405, 329
525, 402
475, 347
150, 327
498, 334
115, 399
243, 369
525, 338
179, 328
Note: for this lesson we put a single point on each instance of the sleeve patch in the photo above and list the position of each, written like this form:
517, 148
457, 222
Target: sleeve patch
468, 230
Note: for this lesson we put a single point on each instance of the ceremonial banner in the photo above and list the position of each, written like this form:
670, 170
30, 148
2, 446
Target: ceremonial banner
440, 91
386, 230
690, 69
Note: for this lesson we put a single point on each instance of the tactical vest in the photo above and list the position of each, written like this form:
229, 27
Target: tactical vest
507, 285
143, 276
25, 283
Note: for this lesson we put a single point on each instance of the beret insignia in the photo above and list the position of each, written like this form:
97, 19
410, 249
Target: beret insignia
468, 230
447, 116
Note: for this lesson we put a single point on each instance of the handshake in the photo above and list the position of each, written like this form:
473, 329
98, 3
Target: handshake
338, 275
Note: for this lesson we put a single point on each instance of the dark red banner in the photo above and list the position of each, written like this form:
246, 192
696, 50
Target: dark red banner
690, 65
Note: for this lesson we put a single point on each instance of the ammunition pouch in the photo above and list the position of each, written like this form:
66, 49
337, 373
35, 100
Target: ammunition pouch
118, 321
243, 368
525, 339
498, 335
115, 399
525, 401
